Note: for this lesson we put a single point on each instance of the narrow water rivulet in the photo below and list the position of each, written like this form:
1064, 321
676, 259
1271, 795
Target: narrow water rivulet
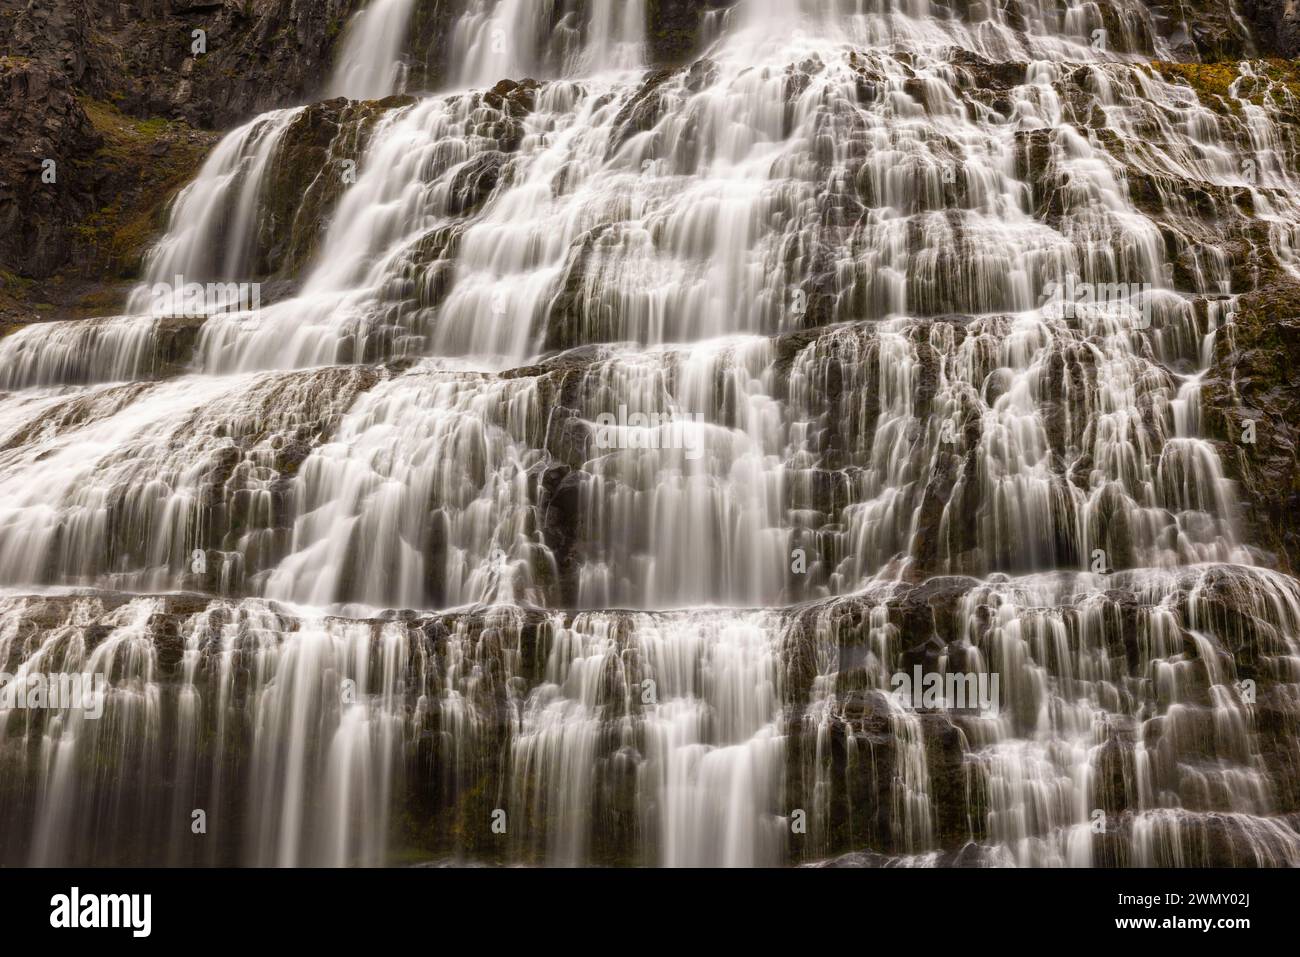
608, 438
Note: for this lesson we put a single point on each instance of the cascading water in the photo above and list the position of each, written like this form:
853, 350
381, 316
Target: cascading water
369, 66
626, 435
496, 39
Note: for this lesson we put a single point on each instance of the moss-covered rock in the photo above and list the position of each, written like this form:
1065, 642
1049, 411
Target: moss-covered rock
83, 193
1222, 86
112, 241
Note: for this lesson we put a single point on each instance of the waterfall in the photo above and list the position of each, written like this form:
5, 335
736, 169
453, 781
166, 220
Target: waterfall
369, 65
214, 219
513, 39
624, 437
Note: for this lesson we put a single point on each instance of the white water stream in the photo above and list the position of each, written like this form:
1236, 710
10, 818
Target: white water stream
828, 251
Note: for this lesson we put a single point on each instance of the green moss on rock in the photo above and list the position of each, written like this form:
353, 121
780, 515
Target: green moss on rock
147, 161
1278, 80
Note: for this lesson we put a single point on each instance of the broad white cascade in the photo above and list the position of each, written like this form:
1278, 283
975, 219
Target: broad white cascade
621, 435
369, 66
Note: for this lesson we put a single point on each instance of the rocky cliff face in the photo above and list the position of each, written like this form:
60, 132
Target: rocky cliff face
1276, 24
144, 55
1210, 30
119, 96
44, 122
254, 55
83, 190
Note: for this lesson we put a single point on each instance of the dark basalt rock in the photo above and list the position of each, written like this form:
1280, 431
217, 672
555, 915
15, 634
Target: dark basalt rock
112, 178
514, 99
676, 26
1204, 30
41, 121
1277, 25
261, 54
175, 338
640, 113
429, 43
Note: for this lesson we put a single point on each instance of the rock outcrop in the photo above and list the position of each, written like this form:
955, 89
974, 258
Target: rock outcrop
83, 191
44, 128
144, 55
1277, 25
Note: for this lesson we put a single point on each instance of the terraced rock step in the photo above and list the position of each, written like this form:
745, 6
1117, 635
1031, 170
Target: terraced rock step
1141, 718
